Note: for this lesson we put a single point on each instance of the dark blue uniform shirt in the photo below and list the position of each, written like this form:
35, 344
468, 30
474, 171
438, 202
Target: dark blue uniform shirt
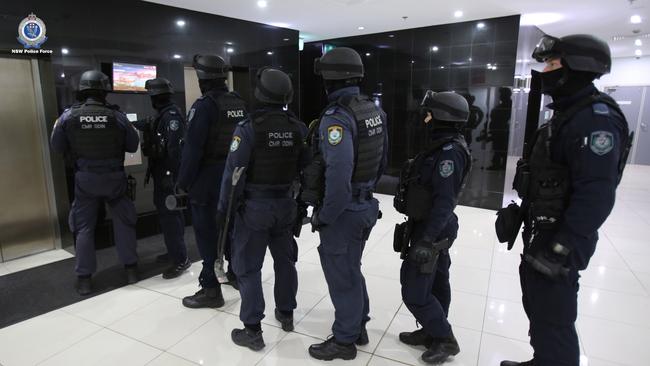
240, 154
339, 160
170, 130
60, 143
590, 144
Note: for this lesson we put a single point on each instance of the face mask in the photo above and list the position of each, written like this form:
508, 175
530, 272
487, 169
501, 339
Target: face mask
552, 81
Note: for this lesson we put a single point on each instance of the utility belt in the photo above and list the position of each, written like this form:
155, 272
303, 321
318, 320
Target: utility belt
402, 245
362, 195
266, 194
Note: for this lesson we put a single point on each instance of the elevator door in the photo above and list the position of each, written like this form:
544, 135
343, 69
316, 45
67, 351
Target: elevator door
26, 222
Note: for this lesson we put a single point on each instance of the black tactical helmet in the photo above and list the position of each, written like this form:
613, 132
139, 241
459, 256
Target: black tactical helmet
580, 52
446, 106
273, 86
94, 80
339, 64
158, 86
210, 67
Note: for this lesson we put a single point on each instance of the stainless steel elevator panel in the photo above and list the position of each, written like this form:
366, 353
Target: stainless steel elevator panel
26, 221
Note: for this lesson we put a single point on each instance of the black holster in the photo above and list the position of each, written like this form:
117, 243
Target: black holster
430, 267
508, 224
313, 189
401, 238
297, 225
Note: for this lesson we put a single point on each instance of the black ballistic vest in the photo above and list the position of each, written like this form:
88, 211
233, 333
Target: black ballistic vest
415, 199
545, 185
276, 154
94, 133
232, 110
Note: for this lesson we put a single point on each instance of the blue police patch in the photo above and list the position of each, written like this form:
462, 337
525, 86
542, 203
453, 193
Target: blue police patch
446, 168
334, 134
234, 145
600, 108
190, 115
173, 125
601, 142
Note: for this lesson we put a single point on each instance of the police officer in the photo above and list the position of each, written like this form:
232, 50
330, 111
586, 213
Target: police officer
269, 146
350, 148
428, 193
211, 122
96, 135
162, 136
567, 179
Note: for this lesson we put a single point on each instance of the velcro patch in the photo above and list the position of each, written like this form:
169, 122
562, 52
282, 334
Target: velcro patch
334, 134
446, 168
173, 125
234, 145
601, 142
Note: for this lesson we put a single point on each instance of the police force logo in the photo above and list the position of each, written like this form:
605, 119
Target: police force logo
31, 32
446, 168
601, 142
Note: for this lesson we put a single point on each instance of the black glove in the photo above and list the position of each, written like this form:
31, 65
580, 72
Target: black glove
316, 224
551, 263
423, 251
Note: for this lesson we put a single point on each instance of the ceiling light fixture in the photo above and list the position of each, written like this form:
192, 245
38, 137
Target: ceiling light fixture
367, 54
480, 25
65, 51
442, 67
262, 4
62, 75
391, 36
180, 23
458, 13
434, 48
230, 50
269, 53
176, 56
635, 19
229, 43
286, 39
638, 43
638, 53
361, 28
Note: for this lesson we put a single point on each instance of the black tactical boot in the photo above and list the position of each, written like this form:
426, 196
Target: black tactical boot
330, 350
84, 286
416, 338
363, 336
441, 349
205, 298
232, 280
163, 258
286, 319
176, 270
514, 363
248, 338
132, 274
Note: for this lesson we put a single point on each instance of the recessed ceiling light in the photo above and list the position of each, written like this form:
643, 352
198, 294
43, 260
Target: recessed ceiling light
176, 56
458, 13
180, 23
494, 67
434, 48
442, 67
230, 50
470, 59
269, 53
391, 36
286, 39
540, 18
638, 43
489, 65
635, 19
361, 28
367, 54
65, 51
280, 25
62, 75
480, 25
229, 43
412, 61
262, 4
638, 53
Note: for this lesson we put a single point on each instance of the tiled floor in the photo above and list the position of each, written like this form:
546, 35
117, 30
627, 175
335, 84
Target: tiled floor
147, 325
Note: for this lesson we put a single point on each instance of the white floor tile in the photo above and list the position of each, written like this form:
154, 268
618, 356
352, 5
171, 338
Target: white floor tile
505, 286
293, 351
380, 361
473, 238
645, 280
471, 257
612, 279
109, 307
37, 260
167, 359
506, 261
614, 306
469, 279
311, 256
466, 310
612, 341
637, 262
158, 284
391, 348
162, 323
384, 293
36, 339
627, 240
609, 258
495, 349
591, 361
506, 319
211, 345
3, 269
382, 264
105, 348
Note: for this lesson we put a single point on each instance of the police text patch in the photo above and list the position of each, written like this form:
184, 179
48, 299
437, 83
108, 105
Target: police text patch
334, 134
601, 142
173, 125
446, 168
234, 145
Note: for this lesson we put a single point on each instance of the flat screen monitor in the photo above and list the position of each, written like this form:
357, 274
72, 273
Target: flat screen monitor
131, 77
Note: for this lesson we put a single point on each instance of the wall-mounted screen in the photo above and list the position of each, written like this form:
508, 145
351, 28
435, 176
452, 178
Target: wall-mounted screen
131, 77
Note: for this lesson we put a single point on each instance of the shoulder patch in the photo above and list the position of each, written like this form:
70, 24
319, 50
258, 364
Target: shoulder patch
600, 108
446, 168
172, 112
601, 142
234, 145
448, 147
334, 134
173, 125
330, 111
190, 115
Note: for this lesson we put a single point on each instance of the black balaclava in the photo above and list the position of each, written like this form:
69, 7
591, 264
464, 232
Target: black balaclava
212, 84
565, 82
333, 85
160, 101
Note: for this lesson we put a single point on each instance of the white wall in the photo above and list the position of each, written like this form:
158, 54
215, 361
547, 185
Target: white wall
627, 71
